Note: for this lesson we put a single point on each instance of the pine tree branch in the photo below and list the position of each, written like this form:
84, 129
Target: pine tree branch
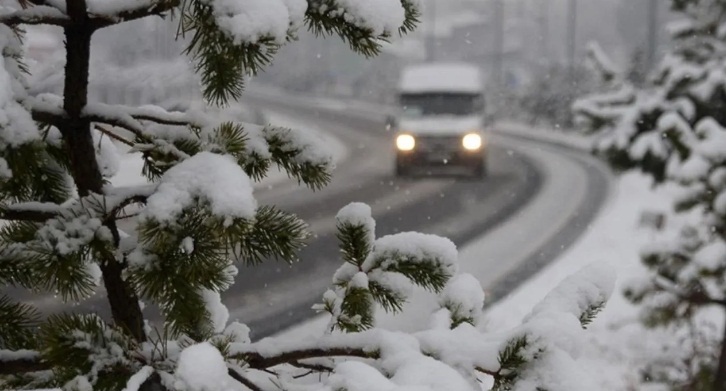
30, 3
41, 212
494, 374
118, 118
36, 15
23, 363
47, 117
108, 132
140, 10
135, 199
123, 117
148, 113
697, 297
308, 373
161, 120
256, 360
312, 367
27, 212
245, 381
25, 215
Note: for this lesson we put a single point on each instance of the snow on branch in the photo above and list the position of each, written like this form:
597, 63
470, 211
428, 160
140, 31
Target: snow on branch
269, 19
47, 109
124, 117
47, 117
693, 296
363, 25
257, 360
236, 375
39, 14
16, 125
163, 117
112, 203
372, 344
20, 361
456, 355
109, 12
578, 294
128, 117
121, 197
217, 179
601, 62
382, 271
30, 211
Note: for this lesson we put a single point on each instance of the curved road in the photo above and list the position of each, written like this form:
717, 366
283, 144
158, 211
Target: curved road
273, 296
535, 202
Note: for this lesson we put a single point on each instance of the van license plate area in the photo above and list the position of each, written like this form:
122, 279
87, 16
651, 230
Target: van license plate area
439, 157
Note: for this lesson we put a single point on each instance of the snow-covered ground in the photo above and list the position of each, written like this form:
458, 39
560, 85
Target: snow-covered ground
615, 238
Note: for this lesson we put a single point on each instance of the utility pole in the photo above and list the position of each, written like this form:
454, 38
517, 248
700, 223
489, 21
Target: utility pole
431, 36
544, 32
652, 33
571, 35
498, 63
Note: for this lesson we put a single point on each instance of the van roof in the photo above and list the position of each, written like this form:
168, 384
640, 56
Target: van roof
441, 77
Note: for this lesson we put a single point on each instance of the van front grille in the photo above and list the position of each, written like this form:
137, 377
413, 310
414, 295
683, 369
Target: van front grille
438, 143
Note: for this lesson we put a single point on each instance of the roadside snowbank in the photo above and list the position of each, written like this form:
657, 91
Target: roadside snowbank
619, 343
552, 136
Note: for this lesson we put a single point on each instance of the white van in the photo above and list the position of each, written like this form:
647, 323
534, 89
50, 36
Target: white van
440, 120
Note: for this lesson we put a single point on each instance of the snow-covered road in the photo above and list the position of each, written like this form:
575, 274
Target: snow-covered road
539, 197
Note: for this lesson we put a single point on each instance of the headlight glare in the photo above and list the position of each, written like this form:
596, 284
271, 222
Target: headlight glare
405, 142
472, 141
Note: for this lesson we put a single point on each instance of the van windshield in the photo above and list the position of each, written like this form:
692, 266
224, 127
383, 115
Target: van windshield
433, 104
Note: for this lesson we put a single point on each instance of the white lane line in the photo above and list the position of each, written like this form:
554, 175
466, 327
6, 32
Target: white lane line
563, 191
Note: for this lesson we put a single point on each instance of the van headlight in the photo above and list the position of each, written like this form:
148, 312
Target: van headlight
471, 142
405, 142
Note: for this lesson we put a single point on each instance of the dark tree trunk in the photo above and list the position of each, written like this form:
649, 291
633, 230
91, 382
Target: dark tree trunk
719, 383
84, 168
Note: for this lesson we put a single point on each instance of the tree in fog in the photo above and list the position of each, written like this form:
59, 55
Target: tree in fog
548, 99
197, 221
674, 129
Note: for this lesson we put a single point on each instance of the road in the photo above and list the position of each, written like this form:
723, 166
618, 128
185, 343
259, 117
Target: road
273, 296
561, 191
285, 294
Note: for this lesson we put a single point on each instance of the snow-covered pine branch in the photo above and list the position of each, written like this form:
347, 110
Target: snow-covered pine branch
228, 42
105, 12
602, 64
382, 271
543, 341
102, 13
40, 14
20, 361
30, 211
